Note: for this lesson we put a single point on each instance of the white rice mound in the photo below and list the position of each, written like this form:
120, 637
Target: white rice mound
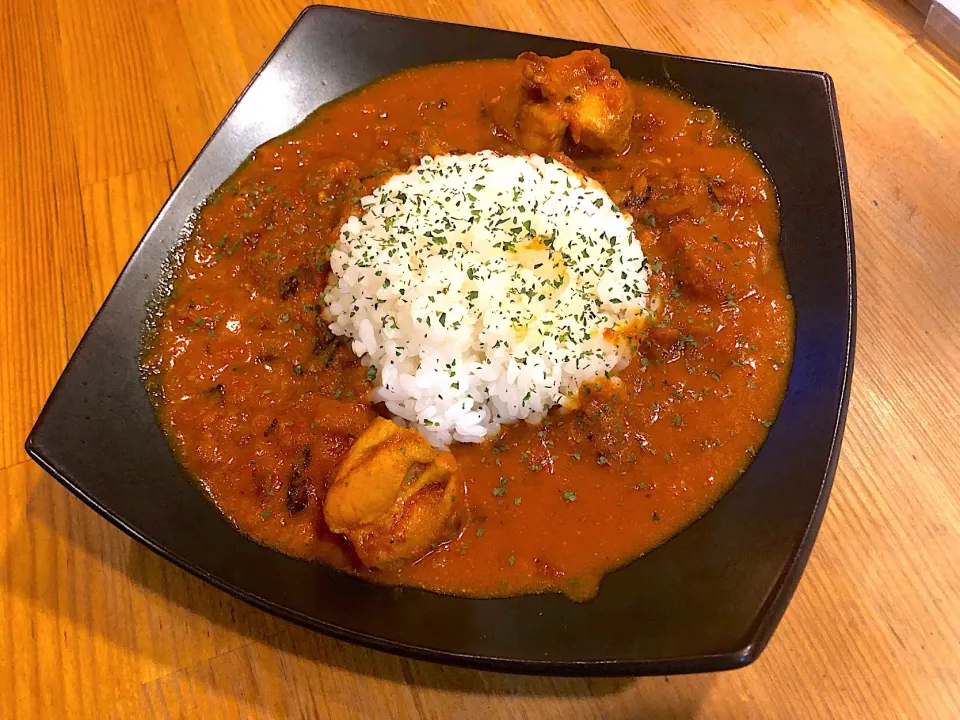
485, 290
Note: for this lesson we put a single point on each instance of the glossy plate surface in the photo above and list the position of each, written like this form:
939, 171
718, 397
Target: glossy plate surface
707, 600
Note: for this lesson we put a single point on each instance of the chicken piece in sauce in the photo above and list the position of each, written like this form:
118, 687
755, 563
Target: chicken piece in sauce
578, 95
393, 496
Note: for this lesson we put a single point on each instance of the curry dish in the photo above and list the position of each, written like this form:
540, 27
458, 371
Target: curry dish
278, 418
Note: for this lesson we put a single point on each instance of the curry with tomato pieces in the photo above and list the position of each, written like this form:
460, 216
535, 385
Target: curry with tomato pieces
275, 415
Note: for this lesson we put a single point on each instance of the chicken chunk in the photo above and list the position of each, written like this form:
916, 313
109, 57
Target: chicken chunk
393, 496
577, 96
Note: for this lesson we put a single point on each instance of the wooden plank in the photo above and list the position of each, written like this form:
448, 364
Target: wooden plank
32, 344
189, 116
87, 615
116, 213
117, 119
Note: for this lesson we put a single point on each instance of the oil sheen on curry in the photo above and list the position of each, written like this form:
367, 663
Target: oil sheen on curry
486, 328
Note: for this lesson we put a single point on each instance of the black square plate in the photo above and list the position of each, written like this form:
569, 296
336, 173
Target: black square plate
707, 600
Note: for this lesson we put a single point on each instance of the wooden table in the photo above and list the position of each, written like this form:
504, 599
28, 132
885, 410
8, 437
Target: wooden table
103, 105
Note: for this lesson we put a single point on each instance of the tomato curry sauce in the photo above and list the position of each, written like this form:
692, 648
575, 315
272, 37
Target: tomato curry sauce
260, 401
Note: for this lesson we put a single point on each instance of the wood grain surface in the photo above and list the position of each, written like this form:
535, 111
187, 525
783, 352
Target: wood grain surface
104, 103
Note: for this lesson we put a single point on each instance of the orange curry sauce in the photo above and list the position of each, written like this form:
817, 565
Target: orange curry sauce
260, 402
